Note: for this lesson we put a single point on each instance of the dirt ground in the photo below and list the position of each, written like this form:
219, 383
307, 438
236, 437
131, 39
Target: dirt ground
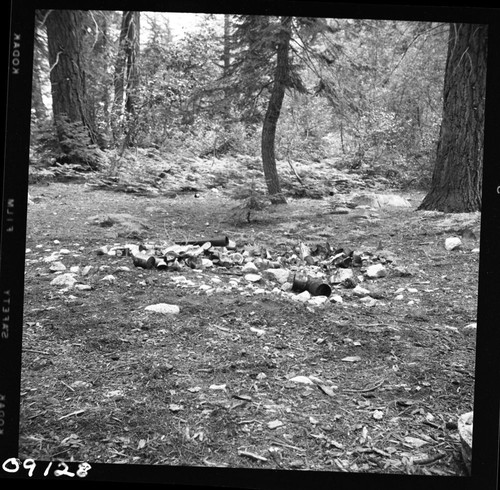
244, 375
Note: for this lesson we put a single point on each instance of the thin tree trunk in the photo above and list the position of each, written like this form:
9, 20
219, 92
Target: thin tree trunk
456, 181
273, 113
126, 78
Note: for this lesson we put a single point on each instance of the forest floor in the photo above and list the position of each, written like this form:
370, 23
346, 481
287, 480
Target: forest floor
245, 374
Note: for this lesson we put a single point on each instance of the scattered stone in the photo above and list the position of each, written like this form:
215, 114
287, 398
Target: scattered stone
57, 267
250, 267
452, 243
109, 278
253, 277
360, 291
376, 271
163, 308
340, 275
65, 280
279, 275
302, 297
368, 301
318, 300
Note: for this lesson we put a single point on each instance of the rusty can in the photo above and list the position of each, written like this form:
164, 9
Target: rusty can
299, 283
143, 261
318, 288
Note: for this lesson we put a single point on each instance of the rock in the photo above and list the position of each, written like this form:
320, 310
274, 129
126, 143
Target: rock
302, 297
368, 301
66, 280
375, 271
340, 275
253, 277
279, 275
360, 291
452, 243
250, 267
336, 298
318, 300
57, 267
163, 308
109, 278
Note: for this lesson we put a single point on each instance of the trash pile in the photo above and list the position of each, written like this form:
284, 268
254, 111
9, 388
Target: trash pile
305, 272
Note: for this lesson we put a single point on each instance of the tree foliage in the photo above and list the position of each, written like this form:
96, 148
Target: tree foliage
365, 94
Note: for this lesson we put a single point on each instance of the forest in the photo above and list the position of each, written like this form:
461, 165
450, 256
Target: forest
252, 241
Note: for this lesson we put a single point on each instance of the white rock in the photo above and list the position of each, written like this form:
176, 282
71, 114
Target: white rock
164, 308
318, 300
52, 257
360, 291
368, 301
341, 275
67, 280
376, 270
178, 279
249, 267
279, 275
109, 278
452, 243
336, 298
57, 267
302, 297
253, 277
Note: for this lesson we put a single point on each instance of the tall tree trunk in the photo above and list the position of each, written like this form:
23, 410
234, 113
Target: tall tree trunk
457, 178
65, 31
226, 56
36, 91
281, 77
126, 78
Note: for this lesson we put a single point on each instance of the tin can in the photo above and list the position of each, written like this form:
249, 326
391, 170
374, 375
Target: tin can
143, 261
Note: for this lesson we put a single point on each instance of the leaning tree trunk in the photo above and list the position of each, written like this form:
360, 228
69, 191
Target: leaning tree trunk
456, 182
273, 112
65, 31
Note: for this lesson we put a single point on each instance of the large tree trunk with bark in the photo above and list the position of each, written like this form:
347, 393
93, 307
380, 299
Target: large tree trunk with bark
65, 31
457, 179
281, 79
